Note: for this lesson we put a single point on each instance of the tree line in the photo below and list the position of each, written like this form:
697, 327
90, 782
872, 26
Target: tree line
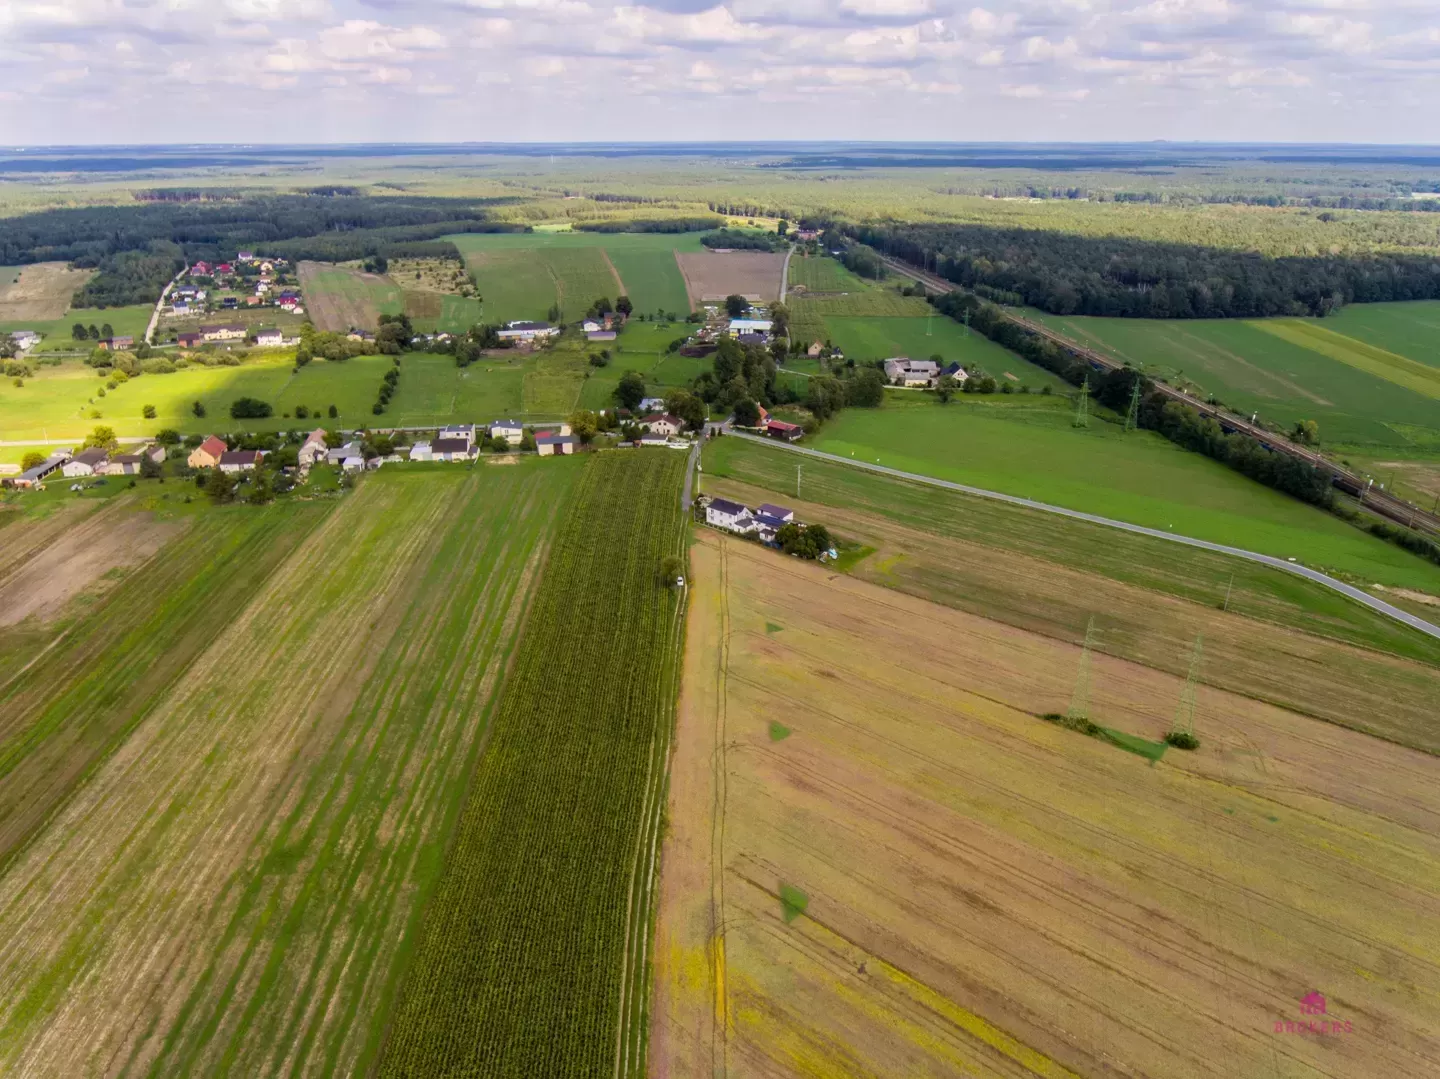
1125, 277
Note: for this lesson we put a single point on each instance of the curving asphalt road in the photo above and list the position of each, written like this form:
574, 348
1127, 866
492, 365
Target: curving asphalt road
1356, 594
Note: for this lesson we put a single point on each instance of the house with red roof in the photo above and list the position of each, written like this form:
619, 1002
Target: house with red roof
208, 453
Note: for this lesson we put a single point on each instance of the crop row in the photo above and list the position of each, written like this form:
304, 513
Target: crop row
530, 940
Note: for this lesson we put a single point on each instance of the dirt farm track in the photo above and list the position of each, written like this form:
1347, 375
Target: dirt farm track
881, 861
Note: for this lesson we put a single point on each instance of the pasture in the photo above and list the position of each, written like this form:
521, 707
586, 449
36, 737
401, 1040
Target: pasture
125, 321
532, 958
338, 299
864, 339
1362, 395
645, 263
39, 292
877, 888
1027, 447
278, 747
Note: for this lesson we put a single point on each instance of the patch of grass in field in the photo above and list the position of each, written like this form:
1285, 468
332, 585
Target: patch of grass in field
434, 391
1260, 366
821, 273
793, 902
1411, 328
1133, 743
125, 321
1199, 576
1137, 477
1413, 375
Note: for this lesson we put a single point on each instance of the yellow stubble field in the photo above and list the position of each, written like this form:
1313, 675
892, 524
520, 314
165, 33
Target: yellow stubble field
985, 893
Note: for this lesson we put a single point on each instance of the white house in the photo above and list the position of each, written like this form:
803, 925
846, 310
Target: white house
652, 404
908, 372
662, 423
451, 449
465, 431
420, 451
314, 450
25, 339
230, 332
85, 463
730, 516
272, 338
591, 326
512, 431
750, 325
528, 331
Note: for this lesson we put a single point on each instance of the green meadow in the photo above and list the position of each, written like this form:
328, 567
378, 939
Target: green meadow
521, 275
865, 339
1365, 376
1027, 447
125, 321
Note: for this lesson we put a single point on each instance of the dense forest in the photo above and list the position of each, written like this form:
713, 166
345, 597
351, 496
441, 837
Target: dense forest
138, 247
1126, 277
651, 224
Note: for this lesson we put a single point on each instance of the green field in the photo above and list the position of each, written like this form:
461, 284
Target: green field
1338, 372
529, 962
820, 273
125, 321
1030, 449
864, 339
522, 274
247, 765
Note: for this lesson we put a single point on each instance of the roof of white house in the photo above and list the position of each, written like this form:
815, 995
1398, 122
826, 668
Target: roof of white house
725, 506
750, 325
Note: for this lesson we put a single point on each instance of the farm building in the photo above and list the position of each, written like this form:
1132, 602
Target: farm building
547, 444
731, 516
420, 451
528, 331
815, 349
788, 432
510, 430
341, 454
314, 449
232, 331
601, 335
662, 423
113, 344
740, 326
782, 514
31, 476
207, 454
653, 440
124, 464
240, 460
188, 340
85, 463
155, 452
24, 339
903, 371
269, 338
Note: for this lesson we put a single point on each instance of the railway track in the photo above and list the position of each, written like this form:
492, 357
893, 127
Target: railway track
1377, 501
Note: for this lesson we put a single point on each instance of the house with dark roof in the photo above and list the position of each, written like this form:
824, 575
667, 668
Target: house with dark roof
240, 460
124, 464
452, 449
783, 514
528, 331
32, 476
86, 463
187, 340
548, 444
731, 516
512, 431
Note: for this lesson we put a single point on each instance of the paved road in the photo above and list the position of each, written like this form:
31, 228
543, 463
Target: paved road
155, 314
687, 496
785, 273
1251, 556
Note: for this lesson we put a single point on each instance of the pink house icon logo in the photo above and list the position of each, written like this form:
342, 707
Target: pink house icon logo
1312, 1003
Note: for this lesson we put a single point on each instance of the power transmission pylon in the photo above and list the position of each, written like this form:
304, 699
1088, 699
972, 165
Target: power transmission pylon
1080, 699
1082, 406
967, 322
1185, 711
1132, 416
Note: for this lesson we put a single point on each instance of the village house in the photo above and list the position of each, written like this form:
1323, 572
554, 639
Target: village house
32, 476
420, 451
806, 236
245, 256
787, 432
224, 267
527, 331
452, 449
510, 430
24, 339
179, 310
200, 269
114, 344
653, 440
547, 444
207, 454
662, 423
187, 340
955, 371
271, 338
731, 516
85, 463
155, 452
240, 460
903, 371
314, 449
124, 464
465, 431
232, 331
814, 350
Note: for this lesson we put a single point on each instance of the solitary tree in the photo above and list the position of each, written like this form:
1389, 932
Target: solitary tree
198, 409
148, 412
623, 305
630, 391
945, 388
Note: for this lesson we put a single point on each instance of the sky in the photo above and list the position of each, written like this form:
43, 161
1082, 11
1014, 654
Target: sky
222, 71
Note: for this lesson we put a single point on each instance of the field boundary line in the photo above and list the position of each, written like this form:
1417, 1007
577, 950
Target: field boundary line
1350, 591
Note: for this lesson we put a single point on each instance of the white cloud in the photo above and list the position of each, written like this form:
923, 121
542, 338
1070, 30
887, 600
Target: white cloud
887, 8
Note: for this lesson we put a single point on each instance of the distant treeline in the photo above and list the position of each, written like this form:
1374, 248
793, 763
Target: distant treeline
189, 225
740, 240
1179, 423
651, 224
1122, 277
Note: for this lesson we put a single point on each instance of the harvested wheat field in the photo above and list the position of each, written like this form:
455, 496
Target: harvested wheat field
40, 292
713, 275
341, 299
881, 862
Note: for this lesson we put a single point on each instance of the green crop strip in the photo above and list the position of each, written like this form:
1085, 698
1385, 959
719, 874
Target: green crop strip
532, 957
